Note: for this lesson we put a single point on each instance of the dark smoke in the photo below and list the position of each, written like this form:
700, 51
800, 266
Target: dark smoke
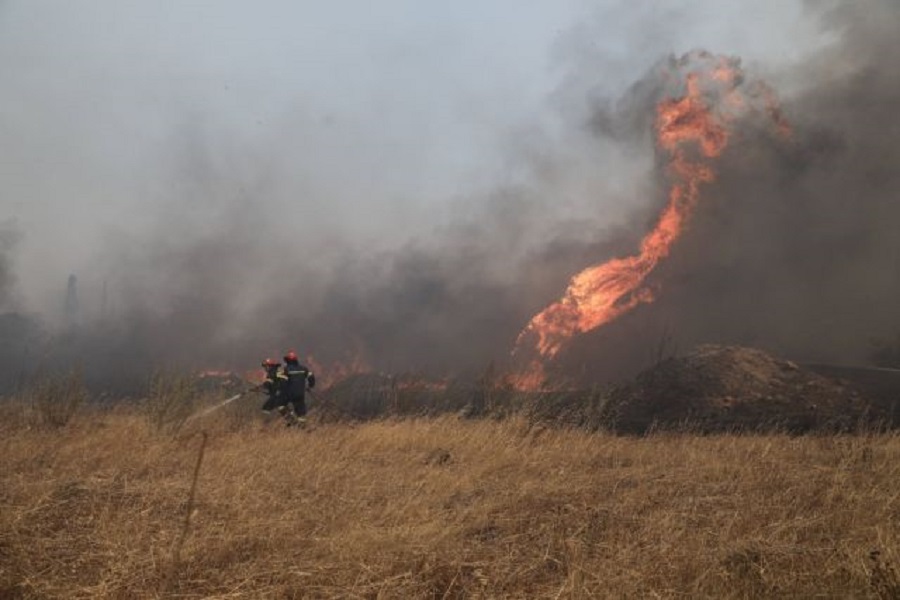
793, 249
19, 333
810, 254
8, 238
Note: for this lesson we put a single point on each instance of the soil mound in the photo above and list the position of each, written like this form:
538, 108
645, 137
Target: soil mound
728, 388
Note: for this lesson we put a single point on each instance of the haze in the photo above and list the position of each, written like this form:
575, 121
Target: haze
227, 180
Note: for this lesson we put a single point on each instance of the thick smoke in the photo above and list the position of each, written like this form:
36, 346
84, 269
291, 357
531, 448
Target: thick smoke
19, 333
8, 238
792, 249
805, 233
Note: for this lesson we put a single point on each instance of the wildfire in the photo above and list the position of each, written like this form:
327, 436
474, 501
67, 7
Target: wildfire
692, 127
330, 374
419, 384
333, 373
529, 379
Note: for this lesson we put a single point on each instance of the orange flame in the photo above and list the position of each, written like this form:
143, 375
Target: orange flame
326, 374
329, 374
530, 379
692, 128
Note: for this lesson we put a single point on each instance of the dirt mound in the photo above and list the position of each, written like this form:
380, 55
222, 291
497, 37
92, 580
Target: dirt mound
726, 388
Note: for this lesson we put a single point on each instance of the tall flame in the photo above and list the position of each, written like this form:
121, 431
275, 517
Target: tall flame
692, 127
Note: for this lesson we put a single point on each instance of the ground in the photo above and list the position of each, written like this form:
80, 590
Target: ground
727, 388
440, 508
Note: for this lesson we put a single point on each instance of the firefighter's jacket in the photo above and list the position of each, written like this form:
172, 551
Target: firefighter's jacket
299, 377
274, 382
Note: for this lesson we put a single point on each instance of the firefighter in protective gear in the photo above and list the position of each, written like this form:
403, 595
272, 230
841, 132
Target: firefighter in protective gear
273, 385
298, 379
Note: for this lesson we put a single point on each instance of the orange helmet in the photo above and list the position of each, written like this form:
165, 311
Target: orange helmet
269, 362
291, 356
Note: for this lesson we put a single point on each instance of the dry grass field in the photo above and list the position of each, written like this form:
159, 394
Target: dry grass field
107, 506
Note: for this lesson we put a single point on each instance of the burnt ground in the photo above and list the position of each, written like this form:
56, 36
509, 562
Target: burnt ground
727, 388
717, 388
710, 389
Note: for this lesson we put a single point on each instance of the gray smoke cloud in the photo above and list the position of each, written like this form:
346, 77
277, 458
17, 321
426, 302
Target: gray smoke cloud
223, 228
8, 238
794, 248
19, 334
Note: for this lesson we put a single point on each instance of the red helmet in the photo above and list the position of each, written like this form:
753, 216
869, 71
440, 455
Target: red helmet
270, 362
291, 356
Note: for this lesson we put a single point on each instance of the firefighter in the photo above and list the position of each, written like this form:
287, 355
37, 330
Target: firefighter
273, 386
298, 379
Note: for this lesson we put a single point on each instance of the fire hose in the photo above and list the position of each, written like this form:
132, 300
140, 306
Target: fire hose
214, 408
228, 401
221, 404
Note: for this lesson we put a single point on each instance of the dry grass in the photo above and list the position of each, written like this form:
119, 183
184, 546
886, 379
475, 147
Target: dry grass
441, 508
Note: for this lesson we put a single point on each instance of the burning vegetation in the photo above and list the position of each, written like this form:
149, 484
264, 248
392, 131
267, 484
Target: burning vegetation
703, 95
737, 238
600, 459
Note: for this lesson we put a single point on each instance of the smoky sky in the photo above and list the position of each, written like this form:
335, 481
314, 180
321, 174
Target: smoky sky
8, 238
411, 187
794, 247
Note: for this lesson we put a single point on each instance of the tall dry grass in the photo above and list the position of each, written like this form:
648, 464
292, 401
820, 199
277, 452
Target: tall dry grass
439, 508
